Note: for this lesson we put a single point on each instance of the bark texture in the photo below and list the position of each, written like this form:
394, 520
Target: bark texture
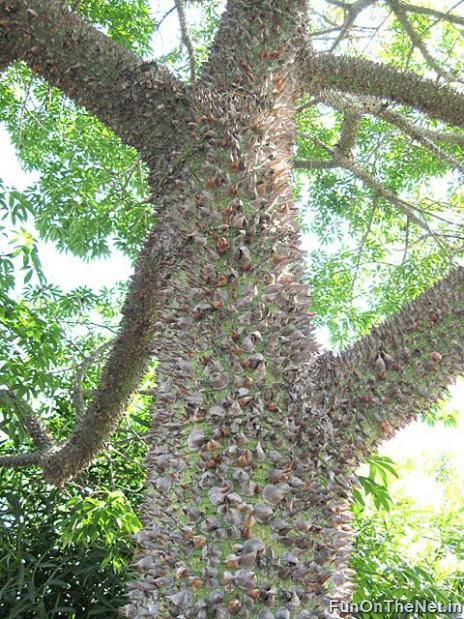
365, 77
256, 435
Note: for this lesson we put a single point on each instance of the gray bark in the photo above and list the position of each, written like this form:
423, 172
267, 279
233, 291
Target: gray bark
255, 434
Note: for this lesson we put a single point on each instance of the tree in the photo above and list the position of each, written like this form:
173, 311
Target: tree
256, 433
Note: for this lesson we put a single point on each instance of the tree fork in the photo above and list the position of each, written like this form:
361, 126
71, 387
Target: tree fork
107, 79
253, 445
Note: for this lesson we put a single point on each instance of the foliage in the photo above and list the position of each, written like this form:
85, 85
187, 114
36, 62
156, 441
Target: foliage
409, 518
385, 573
409, 550
375, 483
45, 570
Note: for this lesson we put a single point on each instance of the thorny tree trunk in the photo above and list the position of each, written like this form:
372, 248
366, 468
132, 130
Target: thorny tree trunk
238, 520
256, 435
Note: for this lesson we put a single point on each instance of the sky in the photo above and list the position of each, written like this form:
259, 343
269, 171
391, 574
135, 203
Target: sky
68, 272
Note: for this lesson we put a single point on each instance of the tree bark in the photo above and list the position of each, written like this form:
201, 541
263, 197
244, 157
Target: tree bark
102, 76
255, 435
365, 77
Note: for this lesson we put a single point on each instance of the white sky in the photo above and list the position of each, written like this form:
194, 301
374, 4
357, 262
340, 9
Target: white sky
68, 271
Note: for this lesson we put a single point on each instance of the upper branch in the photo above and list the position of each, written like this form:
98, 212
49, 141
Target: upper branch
441, 15
186, 37
417, 40
402, 367
107, 79
352, 12
342, 158
77, 392
256, 43
423, 136
364, 77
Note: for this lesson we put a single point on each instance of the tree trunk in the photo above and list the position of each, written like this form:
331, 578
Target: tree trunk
241, 517
255, 435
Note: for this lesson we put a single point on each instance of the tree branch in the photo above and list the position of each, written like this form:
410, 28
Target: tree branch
364, 77
417, 40
128, 359
349, 133
91, 69
77, 394
443, 136
423, 10
421, 135
316, 164
186, 37
345, 161
28, 418
401, 368
19, 460
343, 150
352, 12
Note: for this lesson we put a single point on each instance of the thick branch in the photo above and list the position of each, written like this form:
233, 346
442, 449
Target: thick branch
128, 359
364, 77
91, 69
19, 460
402, 367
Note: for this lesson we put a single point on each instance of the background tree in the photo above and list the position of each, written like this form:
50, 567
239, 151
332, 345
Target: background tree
256, 434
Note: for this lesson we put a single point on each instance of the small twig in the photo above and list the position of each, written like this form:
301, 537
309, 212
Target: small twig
417, 135
406, 241
165, 16
362, 244
385, 193
376, 186
23, 110
352, 10
340, 4
425, 137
